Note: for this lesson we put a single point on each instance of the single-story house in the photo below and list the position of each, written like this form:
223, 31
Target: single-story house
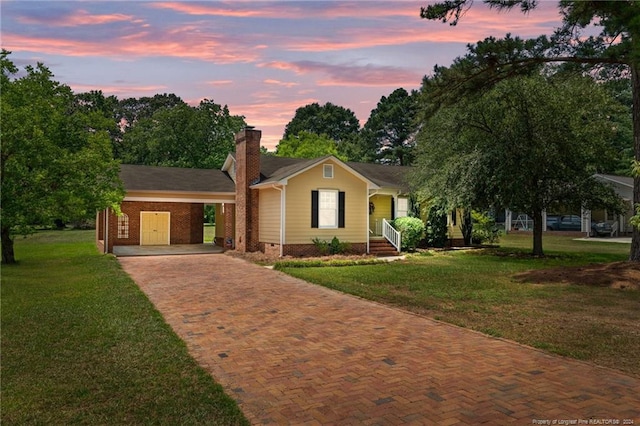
623, 185
620, 225
263, 203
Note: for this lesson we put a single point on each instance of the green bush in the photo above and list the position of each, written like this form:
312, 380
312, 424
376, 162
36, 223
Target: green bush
317, 263
484, 229
209, 214
437, 231
411, 230
335, 246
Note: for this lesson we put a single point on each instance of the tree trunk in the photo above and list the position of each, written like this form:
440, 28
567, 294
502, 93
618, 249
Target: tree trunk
467, 227
537, 233
7, 247
634, 254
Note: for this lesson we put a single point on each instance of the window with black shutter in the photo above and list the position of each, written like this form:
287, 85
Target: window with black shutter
327, 208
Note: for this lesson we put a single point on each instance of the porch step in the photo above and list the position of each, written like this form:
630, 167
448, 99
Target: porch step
382, 248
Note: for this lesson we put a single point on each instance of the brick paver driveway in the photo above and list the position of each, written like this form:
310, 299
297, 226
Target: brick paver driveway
294, 353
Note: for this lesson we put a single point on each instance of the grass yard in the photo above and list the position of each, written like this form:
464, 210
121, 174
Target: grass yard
484, 290
82, 344
209, 233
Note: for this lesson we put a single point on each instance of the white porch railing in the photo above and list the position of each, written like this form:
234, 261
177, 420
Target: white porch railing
378, 227
391, 234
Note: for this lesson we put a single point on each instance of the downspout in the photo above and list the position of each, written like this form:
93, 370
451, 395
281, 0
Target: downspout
106, 230
369, 221
282, 216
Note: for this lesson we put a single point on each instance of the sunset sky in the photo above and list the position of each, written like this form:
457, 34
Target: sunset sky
263, 59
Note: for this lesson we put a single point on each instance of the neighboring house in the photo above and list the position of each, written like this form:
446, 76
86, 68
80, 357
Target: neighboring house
263, 203
619, 223
623, 185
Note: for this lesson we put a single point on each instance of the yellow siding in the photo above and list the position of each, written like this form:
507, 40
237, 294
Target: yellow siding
382, 210
219, 221
269, 200
454, 230
298, 209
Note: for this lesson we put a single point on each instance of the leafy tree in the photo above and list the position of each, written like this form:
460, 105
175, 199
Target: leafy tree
529, 143
635, 219
108, 107
337, 122
131, 110
358, 148
307, 145
183, 136
622, 141
436, 228
392, 126
614, 52
56, 160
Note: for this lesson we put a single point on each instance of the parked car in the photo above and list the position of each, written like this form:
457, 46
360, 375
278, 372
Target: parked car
574, 223
601, 229
570, 222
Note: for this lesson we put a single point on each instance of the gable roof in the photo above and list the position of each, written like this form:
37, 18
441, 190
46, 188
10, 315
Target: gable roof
293, 169
274, 169
154, 178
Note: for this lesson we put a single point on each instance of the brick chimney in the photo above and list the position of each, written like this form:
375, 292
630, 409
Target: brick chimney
247, 174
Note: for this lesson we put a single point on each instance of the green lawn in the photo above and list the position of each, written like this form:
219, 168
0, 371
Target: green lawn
479, 289
209, 232
82, 344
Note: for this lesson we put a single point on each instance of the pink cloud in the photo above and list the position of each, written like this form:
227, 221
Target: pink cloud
78, 18
280, 83
119, 90
292, 10
216, 83
476, 24
358, 38
351, 75
270, 116
216, 9
184, 42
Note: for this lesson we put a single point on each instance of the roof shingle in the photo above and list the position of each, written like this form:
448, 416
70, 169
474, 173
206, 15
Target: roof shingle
153, 178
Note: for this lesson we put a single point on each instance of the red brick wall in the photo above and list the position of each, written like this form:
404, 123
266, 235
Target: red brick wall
196, 223
270, 249
247, 173
456, 242
186, 222
229, 225
100, 230
100, 225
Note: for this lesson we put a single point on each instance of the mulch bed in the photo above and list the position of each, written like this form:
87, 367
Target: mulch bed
621, 275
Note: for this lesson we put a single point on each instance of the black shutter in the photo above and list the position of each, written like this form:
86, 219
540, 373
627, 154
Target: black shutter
341, 209
393, 208
314, 209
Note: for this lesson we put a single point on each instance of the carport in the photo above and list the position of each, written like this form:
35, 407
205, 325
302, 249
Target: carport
164, 207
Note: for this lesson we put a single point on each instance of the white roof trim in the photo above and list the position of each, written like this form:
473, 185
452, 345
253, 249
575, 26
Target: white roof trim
610, 179
278, 183
181, 196
227, 162
186, 193
182, 200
